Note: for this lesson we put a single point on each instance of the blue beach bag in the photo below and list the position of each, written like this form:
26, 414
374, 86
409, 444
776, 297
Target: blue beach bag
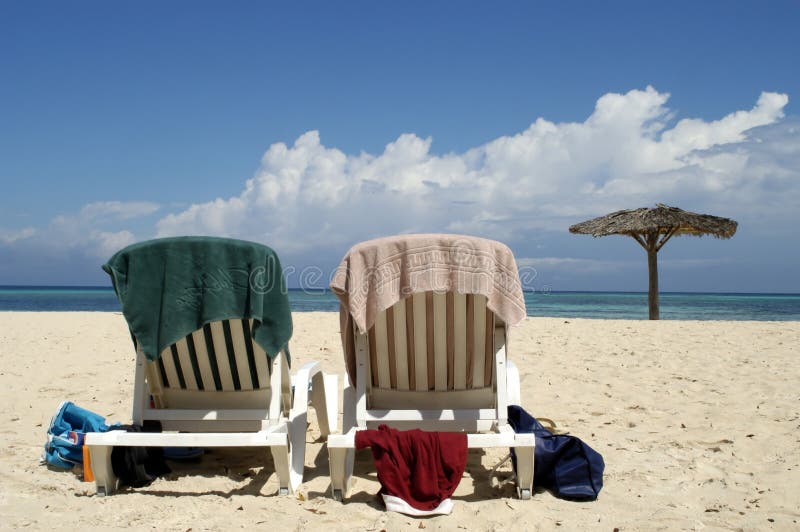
562, 463
67, 431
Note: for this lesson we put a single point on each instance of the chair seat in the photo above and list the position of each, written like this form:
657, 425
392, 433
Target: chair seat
504, 437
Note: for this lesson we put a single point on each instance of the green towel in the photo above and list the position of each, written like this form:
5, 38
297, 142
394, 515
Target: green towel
170, 287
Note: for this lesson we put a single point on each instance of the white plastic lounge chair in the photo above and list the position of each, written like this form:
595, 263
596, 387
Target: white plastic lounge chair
434, 361
217, 388
214, 386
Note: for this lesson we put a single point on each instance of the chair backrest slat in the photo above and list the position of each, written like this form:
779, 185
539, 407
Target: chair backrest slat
227, 374
401, 345
256, 356
419, 333
187, 364
478, 325
429, 340
379, 342
197, 343
488, 364
460, 342
235, 335
169, 373
391, 348
469, 337
440, 341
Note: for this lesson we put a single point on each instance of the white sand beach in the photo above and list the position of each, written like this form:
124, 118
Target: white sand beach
697, 421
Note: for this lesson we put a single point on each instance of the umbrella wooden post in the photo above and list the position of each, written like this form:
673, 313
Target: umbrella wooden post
652, 267
651, 245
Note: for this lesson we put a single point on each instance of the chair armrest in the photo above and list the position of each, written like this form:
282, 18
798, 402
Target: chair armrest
324, 396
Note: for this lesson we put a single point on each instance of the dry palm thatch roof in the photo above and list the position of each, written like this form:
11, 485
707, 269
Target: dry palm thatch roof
663, 219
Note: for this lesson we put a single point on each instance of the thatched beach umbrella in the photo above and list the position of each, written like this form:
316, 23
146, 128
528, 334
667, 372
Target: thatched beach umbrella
651, 228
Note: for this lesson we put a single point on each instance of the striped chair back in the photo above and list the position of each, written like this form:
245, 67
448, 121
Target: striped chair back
433, 342
220, 359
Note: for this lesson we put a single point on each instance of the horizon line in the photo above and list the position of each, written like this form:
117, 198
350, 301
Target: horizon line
525, 291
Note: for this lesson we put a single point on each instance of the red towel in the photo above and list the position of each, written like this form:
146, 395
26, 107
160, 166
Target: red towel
422, 468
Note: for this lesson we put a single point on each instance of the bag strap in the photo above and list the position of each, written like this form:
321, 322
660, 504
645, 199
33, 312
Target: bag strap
548, 423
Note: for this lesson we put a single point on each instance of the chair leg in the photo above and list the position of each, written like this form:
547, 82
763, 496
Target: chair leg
341, 459
105, 479
297, 451
282, 457
290, 463
524, 472
348, 406
512, 383
341, 471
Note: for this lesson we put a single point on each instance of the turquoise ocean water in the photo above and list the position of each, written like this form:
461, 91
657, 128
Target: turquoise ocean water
609, 305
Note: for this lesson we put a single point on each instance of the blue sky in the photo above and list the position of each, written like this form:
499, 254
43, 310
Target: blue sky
312, 126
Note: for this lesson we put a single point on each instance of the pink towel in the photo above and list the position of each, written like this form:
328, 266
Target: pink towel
376, 274
421, 468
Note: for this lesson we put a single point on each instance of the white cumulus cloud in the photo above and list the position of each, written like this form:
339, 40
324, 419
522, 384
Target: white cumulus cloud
629, 152
119, 210
93, 231
105, 243
9, 237
311, 201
